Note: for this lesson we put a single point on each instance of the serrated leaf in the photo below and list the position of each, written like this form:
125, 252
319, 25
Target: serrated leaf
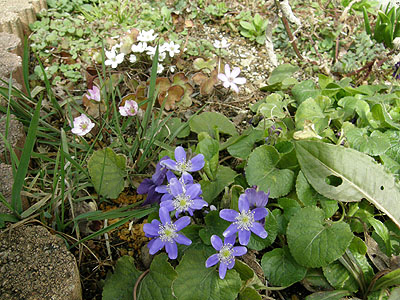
196, 282
280, 268
208, 121
158, 282
261, 171
314, 242
107, 171
339, 277
120, 284
361, 176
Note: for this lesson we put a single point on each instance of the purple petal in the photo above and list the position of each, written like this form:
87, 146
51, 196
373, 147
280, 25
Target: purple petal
152, 197
181, 239
228, 215
187, 178
244, 237
155, 246
197, 163
230, 239
232, 229
258, 229
231, 264
170, 164
170, 175
193, 190
166, 197
176, 187
180, 154
182, 223
162, 189
160, 172
168, 204
198, 204
243, 204
235, 72
260, 213
239, 251
164, 215
212, 260
222, 270
151, 230
216, 242
172, 250
144, 186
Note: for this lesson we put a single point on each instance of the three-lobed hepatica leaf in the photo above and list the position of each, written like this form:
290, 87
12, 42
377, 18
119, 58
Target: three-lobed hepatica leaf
107, 171
347, 175
314, 242
261, 170
158, 282
196, 282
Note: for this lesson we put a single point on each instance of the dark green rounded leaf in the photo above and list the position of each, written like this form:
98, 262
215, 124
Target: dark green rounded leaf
271, 226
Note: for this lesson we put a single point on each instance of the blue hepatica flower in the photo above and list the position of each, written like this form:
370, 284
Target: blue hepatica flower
166, 190
244, 222
256, 198
181, 164
148, 186
166, 234
396, 70
226, 254
186, 198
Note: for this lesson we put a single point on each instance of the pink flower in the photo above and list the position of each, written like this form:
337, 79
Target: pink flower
94, 94
82, 125
231, 79
129, 109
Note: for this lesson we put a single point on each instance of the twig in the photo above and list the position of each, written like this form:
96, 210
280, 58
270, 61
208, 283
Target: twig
138, 281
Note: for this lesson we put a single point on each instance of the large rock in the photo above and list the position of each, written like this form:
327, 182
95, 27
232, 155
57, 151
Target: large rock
15, 136
35, 265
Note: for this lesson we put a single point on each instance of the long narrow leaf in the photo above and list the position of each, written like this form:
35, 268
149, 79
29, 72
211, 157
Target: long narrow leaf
25, 157
25, 67
366, 21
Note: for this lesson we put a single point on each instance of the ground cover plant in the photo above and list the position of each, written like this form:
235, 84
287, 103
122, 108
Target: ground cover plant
170, 175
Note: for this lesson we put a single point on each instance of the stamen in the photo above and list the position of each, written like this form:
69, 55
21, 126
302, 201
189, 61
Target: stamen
225, 254
182, 202
167, 232
184, 166
245, 220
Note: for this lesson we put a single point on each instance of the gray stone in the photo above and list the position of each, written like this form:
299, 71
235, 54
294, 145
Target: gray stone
10, 63
16, 137
11, 43
6, 185
35, 265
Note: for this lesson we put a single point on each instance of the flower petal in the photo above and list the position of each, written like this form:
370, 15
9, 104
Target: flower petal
260, 213
235, 72
216, 242
175, 186
212, 260
222, 270
222, 77
244, 237
232, 229
258, 229
181, 239
230, 239
228, 215
239, 80
172, 250
180, 154
182, 223
198, 204
193, 190
243, 204
170, 164
164, 215
227, 70
231, 264
155, 246
239, 251
168, 204
197, 163
145, 186
151, 229
234, 87
187, 178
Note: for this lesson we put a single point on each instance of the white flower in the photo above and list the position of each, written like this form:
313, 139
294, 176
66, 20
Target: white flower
172, 69
140, 47
129, 109
147, 36
221, 44
150, 51
230, 80
132, 58
82, 125
396, 43
160, 68
161, 56
116, 47
171, 48
113, 59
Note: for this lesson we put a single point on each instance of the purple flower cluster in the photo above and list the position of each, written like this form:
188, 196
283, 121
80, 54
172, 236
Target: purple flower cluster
179, 194
396, 70
251, 209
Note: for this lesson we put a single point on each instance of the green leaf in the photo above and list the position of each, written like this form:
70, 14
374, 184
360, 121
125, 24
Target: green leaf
281, 72
314, 242
271, 226
375, 144
107, 171
211, 189
273, 107
390, 279
249, 293
381, 230
248, 26
338, 276
304, 90
208, 121
280, 268
243, 147
196, 282
245, 272
172, 126
351, 104
331, 295
120, 284
360, 176
261, 171
158, 282
379, 114
214, 225
316, 280
310, 110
